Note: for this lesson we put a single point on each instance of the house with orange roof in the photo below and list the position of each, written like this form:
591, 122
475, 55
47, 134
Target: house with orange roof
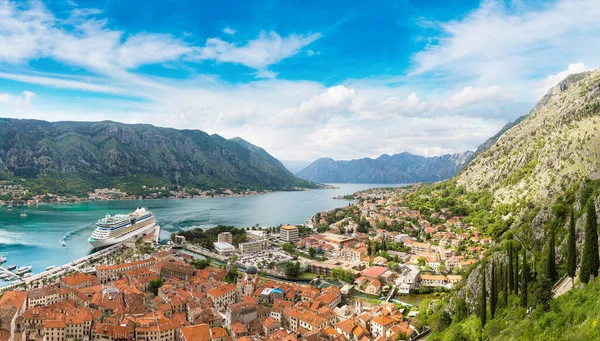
12, 304
222, 296
271, 325
374, 287
79, 280
199, 332
109, 273
381, 326
239, 329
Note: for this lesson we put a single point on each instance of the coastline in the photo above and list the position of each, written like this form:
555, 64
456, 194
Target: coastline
75, 200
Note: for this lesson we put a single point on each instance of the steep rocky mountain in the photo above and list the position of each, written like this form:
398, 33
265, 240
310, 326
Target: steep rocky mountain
398, 168
547, 151
109, 153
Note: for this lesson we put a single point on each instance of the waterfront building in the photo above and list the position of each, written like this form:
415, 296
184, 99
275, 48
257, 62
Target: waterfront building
289, 234
254, 246
225, 237
336, 240
109, 273
224, 248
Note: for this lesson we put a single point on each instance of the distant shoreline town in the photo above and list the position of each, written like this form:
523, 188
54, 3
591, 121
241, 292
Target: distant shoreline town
18, 195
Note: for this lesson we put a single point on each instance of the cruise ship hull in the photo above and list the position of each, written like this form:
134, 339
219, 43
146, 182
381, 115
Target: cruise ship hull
138, 233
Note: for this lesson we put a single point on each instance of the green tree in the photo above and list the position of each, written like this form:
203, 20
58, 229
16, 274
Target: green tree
493, 291
551, 260
572, 249
311, 251
505, 287
483, 304
154, 285
292, 270
516, 277
589, 259
541, 292
289, 248
200, 263
524, 279
232, 274
511, 282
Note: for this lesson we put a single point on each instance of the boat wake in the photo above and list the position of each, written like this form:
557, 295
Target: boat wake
76, 231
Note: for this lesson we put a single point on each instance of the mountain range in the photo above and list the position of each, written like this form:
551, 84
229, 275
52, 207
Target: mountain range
397, 168
88, 155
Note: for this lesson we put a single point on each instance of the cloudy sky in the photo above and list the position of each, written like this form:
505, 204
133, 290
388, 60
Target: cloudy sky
302, 79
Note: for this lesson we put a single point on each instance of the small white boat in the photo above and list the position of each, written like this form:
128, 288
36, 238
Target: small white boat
23, 270
4, 275
50, 267
2, 260
11, 267
63, 243
29, 274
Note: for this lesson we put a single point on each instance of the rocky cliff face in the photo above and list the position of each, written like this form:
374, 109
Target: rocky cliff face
556, 145
398, 168
96, 151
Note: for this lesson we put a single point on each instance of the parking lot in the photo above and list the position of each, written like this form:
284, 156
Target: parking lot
261, 259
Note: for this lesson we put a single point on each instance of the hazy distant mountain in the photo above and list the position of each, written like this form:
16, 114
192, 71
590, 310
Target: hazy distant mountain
398, 168
295, 166
78, 156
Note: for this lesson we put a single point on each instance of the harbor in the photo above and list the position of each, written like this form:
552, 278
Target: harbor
86, 264
36, 239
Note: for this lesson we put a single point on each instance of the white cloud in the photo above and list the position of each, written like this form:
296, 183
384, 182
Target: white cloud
63, 83
470, 95
229, 30
462, 89
25, 99
268, 49
545, 84
333, 102
412, 104
509, 43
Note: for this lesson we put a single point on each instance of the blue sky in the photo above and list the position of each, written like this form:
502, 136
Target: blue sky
303, 79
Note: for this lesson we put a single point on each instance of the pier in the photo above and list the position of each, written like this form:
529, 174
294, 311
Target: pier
10, 275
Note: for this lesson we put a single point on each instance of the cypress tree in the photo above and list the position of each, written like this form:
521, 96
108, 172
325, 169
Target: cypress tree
572, 249
493, 291
589, 259
483, 306
516, 277
551, 261
505, 287
511, 281
524, 281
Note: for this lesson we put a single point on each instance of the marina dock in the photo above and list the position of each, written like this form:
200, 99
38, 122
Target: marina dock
10, 275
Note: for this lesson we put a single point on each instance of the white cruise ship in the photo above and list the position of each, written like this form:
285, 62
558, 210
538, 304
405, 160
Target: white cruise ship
114, 229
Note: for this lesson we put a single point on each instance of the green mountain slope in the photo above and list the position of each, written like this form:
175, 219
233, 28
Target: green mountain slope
398, 168
532, 176
556, 145
97, 154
